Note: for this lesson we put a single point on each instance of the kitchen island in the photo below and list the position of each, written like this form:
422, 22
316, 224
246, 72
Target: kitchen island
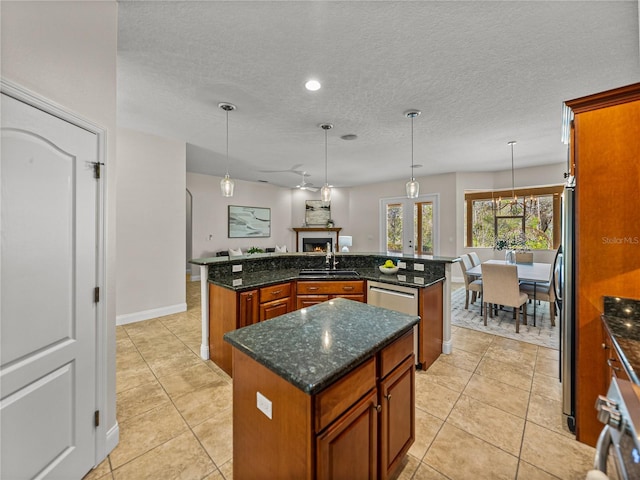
319, 393
239, 291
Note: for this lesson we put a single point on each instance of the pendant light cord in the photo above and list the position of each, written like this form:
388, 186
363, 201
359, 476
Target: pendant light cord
513, 188
412, 177
227, 111
326, 177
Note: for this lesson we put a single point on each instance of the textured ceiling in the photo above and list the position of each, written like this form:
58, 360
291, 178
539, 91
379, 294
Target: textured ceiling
482, 73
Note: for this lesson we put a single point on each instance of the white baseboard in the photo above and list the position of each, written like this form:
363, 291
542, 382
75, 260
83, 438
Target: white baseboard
113, 437
147, 314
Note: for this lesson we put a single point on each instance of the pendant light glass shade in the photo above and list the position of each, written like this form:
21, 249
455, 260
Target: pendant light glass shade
413, 187
325, 191
226, 184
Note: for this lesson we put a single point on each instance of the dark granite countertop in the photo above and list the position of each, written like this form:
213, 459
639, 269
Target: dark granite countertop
249, 280
420, 258
313, 347
622, 319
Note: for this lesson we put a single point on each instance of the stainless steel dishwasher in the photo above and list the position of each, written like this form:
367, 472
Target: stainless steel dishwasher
395, 297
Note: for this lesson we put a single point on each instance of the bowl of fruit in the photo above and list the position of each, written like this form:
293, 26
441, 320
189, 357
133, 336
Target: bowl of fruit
389, 268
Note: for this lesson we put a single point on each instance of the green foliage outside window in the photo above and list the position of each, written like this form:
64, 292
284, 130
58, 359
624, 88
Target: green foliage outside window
394, 228
501, 223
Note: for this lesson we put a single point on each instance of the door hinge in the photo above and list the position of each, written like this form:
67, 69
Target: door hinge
96, 169
96, 418
96, 294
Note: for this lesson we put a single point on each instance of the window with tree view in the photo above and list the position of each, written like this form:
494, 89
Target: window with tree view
532, 221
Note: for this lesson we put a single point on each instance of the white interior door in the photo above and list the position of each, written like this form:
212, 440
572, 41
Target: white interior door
48, 274
410, 226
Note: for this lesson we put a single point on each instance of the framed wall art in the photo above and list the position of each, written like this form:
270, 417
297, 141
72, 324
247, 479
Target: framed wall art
247, 222
317, 212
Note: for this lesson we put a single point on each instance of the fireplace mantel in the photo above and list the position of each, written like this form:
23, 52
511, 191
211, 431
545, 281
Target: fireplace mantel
334, 232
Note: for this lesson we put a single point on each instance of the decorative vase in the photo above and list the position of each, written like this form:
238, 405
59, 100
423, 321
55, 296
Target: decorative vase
510, 256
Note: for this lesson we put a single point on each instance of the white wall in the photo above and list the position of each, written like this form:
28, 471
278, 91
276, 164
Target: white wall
364, 211
151, 218
210, 215
66, 52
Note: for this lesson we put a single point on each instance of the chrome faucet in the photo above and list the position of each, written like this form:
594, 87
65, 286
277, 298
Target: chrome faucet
328, 260
331, 261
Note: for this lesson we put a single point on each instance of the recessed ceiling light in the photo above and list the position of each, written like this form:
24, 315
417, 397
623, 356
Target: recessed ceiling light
312, 85
349, 136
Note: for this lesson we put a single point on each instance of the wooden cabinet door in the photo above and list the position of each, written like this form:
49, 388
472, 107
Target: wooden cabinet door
430, 329
397, 419
248, 308
348, 448
304, 301
274, 309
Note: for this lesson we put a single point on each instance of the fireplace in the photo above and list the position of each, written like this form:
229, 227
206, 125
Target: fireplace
314, 239
318, 244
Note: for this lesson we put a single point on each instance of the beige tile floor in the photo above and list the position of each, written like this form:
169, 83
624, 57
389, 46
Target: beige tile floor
491, 409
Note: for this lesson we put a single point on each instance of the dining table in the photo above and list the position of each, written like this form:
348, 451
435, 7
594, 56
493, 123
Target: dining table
534, 273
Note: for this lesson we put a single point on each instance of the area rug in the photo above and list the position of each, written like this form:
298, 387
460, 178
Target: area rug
503, 325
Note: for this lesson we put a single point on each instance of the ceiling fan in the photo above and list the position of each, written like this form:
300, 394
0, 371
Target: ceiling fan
293, 169
304, 185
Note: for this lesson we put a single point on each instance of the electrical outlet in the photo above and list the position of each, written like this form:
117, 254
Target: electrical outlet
402, 264
418, 280
264, 405
237, 282
418, 267
236, 268
402, 278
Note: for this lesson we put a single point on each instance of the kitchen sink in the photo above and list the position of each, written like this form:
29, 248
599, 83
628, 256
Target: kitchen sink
328, 273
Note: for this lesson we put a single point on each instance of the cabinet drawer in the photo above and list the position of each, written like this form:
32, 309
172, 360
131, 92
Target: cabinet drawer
275, 292
337, 398
335, 288
395, 353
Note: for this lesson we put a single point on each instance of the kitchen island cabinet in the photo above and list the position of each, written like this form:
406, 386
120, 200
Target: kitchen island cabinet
313, 292
229, 311
318, 394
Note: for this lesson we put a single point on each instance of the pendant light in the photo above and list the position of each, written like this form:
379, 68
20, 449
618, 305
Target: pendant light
413, 187
325, 191
226, 184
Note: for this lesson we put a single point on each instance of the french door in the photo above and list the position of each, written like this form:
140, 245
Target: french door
409, 226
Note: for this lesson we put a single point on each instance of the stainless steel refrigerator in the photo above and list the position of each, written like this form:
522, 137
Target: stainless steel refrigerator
565, 295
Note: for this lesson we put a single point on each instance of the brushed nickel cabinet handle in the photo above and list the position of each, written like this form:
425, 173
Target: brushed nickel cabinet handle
276, 292
313, 288
388, 397
377, 408
347, 288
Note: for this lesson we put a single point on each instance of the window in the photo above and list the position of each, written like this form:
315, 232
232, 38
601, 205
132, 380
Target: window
533, 220
394, 227
423, 230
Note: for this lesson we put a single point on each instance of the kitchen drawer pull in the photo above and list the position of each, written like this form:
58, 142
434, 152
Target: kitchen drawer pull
605, 346
313, 288
388, 397
276, 292
348, 288
377, 408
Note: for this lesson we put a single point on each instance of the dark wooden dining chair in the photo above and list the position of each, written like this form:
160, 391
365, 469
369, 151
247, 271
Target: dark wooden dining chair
500, 286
